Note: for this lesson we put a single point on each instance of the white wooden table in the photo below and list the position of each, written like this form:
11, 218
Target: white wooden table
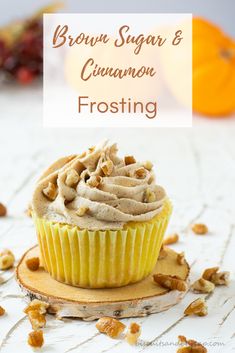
197, 168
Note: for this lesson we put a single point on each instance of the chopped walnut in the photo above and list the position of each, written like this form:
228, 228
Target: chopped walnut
197, 307
2, 311
72, 178
33, 263
180, 258
112, 327
149, 196
199, 228
129, 160
192, 346
107, 167
162, 253
170, 282
50, 191
29, 211
81, 211
133, 333
148, 165
7, 259
171, 239
38, 305
140, 173
35, 339
91, 149
3, 210
36, 319
94, 181
203, 286
218, 278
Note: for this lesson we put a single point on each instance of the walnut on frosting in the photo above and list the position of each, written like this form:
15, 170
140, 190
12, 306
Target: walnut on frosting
72, 178
50, 191
107, 167
129, 160
149, 196
140, 173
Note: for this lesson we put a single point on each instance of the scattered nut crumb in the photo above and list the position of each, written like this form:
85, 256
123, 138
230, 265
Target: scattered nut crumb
7, 259
162, 253
140, 173
197, 307
171, 239
129, 160
112, 327
149, 196
133, 333
192, 346
38, 305
3, 210
35, 339
50, 191
29, 211
72, 178
199, 228
170, 282
94, 181
91, 149
180, 258
202, 286
81, 211
33, 263
36, 319
107, 167
218, 278
148, 165
2, 311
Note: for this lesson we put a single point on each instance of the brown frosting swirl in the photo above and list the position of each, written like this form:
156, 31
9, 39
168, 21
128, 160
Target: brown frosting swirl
97, 190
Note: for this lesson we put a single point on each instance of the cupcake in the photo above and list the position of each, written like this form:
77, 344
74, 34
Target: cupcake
100, 219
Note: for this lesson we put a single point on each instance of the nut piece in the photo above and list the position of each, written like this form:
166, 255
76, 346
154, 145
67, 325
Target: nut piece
35, 339
193, 346
7, 259
133, 333
72, 178
199, 228
140, 173
94, 181
33, 263
149, 196
129, 160
50, 191
218, 278
112, 327
202, 286
81, 211
107, 167
36, 319
180, 258
3, 210
2, 311
148, 165
170, 282
162, 253
197, 307
171, 239
38, 305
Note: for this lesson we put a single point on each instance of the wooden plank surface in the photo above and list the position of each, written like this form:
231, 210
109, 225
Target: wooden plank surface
197, 168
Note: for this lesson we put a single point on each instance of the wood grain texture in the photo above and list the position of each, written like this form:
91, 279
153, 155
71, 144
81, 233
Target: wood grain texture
139, 299
197, 168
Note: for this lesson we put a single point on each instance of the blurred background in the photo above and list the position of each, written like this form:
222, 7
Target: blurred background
220, 11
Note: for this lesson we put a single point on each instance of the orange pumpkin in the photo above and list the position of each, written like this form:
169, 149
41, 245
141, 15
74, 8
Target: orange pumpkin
213, 70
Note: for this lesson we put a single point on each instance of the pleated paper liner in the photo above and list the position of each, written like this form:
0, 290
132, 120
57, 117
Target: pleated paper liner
99, 259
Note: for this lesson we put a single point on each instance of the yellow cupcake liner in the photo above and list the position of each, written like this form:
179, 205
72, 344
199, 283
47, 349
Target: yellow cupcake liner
101, 259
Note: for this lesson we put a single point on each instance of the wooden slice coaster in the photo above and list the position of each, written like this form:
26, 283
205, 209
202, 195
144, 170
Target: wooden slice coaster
138, 299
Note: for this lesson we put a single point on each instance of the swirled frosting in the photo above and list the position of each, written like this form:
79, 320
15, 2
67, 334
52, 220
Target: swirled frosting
110, 191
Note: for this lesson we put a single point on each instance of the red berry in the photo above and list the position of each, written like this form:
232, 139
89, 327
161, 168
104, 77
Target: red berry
24, 75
